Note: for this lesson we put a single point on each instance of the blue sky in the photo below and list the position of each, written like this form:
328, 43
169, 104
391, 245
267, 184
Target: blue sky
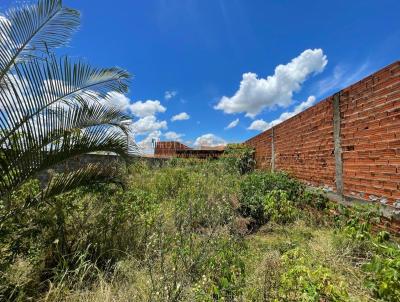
201, 51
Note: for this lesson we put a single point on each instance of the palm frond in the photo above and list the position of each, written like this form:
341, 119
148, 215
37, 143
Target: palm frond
37, 85
55, 122
53, 109
62, 134
30, 30
61, 183
89, 175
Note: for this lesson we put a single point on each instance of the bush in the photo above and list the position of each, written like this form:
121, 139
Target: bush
316, 199
256, 186
239, 158
278, 208
21, 245
380, 258
223, 273
357, 221
305, 280
384, 272
170, 236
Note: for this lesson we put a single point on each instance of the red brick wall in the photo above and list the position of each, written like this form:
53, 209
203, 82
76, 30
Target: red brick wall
370, 133
262, 144
304, 145
168, 149
370, 140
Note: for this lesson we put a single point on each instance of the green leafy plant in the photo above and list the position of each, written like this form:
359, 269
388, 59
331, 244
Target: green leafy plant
307, 281
278, 208
223, 276
53, 108
240, 158
384, 272
255, 187
357, 221
316, 199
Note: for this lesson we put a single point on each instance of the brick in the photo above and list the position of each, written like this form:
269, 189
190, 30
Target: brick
370, 139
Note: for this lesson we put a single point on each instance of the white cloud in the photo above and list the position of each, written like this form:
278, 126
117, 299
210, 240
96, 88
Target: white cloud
170, 94
255, 94
146, 144
210, 140
143, 109
262, 125
139, 108
232, 124
148, 124
180, 117
4, 20
173, 136
119, 100
6, 24
259, 125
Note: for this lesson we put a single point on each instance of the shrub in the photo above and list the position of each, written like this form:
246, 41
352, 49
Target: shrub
384, 272
278, 208
380, 258
168, 237
256, 186
357, 221
223, 273
239, 158
21, 244
304, 280
316, 199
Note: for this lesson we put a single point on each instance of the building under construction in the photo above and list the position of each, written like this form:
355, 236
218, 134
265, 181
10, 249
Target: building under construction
177, 149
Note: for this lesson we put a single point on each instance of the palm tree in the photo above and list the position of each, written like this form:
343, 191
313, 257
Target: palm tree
51, 108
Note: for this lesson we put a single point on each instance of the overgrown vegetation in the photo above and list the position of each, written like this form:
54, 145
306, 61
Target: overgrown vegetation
239, 157
196, 231
186, 231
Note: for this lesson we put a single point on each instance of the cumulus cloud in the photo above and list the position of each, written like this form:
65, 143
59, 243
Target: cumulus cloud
148, 124
143, 109
259, 125
210, 140
139, 108
232, 124
180, 117
6, 23
262, 125
119, 100
170, 94
255, 94
146, 111
4, 20
173, 136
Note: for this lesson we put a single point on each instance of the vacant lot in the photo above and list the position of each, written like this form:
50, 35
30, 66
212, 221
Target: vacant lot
196, 231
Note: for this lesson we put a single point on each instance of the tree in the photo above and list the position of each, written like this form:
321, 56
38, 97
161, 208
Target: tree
53, 108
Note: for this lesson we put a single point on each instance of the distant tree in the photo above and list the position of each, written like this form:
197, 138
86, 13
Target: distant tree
52, 108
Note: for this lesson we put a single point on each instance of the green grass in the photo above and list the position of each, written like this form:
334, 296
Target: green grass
195, 231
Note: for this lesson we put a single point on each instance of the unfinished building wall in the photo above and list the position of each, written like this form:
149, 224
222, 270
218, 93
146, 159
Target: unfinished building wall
348, 143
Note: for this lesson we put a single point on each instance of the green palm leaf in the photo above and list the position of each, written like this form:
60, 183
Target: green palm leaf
53, 109
89, 175
32, 30
61, 133
37, 85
